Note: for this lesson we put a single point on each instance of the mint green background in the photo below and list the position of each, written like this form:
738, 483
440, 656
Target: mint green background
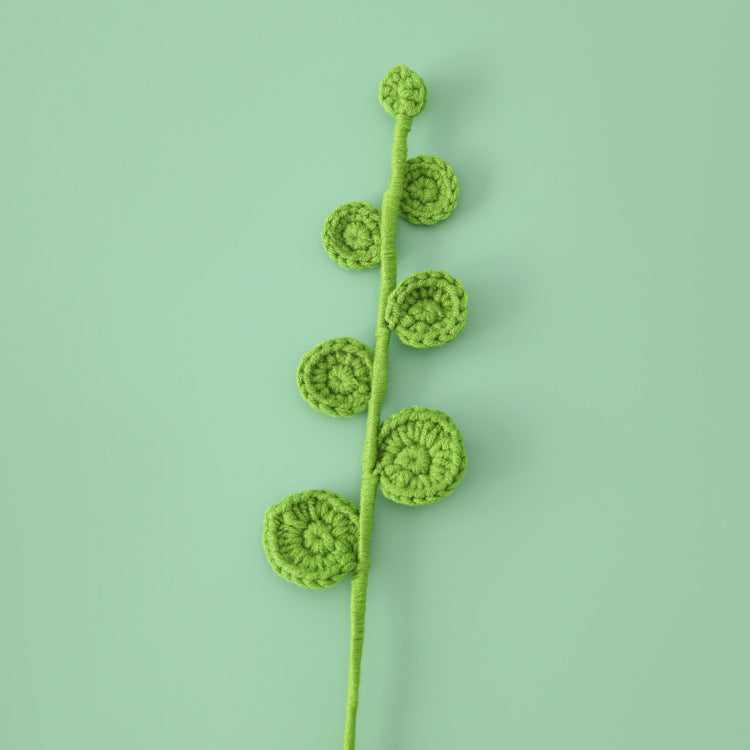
166, 169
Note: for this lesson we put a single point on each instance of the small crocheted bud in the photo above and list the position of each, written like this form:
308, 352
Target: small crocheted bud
428, 308
334, 377
431, 190
403, 92
351, 235
311, 538
421, 456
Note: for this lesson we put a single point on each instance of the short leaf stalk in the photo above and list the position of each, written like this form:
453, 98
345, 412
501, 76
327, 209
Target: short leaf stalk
315, 537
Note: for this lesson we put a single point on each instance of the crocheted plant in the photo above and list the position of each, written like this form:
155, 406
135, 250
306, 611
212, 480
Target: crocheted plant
315, 538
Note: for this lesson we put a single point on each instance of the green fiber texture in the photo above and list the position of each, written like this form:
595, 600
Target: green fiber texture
166, 171
314, 538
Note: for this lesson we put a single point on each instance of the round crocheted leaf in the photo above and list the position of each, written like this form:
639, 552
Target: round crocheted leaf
334, 377
428, 308
421, 456
430, 190
351, 235
403, 92
311, 538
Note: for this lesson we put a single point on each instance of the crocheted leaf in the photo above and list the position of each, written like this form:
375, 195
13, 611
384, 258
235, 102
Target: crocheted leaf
311, 538
351, 235
421, 456
334, 377
403, 92
314, 538
428, 308
430, 191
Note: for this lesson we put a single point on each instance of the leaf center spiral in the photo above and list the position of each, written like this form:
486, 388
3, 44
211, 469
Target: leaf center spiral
424, 189
358, 237
318, 539
426, 311
415, 459
341, 379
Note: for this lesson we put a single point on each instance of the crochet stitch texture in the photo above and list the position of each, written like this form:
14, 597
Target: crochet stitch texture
315, 538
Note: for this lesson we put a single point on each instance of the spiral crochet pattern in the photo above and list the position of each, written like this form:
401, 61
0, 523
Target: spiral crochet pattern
428, 308
421, 456
310, 538
403, 92
431, 191
335, 376
314, 538
351, 235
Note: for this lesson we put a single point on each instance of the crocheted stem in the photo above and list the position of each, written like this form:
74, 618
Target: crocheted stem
389, 219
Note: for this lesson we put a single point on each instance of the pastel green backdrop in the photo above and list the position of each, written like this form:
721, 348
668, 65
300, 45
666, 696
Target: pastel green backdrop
166, 169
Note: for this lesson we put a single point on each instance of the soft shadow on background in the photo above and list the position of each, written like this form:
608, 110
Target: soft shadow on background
166, 170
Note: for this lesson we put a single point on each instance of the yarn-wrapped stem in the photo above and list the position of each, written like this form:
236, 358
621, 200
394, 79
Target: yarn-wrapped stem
388, 221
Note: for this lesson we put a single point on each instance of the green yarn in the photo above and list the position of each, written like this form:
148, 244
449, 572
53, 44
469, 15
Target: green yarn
428, 308
421, 456
403, 92
311, 538
315, 538
334, 377
351, 235
431, 190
